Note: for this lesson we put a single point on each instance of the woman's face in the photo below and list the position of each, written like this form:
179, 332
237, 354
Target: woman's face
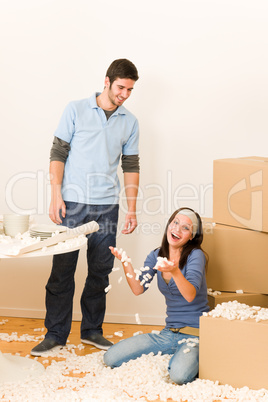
179, 231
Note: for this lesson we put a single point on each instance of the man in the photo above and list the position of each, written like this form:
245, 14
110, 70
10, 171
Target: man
91, 137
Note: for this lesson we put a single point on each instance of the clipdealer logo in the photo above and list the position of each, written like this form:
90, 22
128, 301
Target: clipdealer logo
256, 202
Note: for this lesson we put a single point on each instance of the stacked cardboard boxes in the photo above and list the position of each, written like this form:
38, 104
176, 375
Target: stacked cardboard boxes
238, 258
240, 192
236, 240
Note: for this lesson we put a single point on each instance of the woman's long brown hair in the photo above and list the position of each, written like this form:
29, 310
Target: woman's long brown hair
195, 243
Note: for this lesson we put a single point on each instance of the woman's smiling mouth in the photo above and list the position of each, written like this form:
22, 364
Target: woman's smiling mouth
174, 236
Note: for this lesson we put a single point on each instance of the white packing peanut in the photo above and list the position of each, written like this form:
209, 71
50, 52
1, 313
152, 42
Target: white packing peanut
109, 287
145, 269
137, 318
115, 269
233, 310
119, 333
100, 383
187, 350
211, 292
155, 331
137, 333
3, 322
161, 261
123, 256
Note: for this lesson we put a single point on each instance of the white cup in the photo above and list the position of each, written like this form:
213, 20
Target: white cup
14, 224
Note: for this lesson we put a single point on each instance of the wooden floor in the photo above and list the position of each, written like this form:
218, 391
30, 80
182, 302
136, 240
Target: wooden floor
24, 326
27, 325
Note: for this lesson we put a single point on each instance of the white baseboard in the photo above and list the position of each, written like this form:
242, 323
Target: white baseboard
130, 319
109, 318
25, 313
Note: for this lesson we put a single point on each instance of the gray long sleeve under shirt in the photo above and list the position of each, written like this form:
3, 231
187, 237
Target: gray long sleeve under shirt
60, 151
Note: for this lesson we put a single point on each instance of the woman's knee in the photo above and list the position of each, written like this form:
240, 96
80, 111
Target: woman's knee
127, 349
182, 374
109, 358
106, 359
182, 377
117, 354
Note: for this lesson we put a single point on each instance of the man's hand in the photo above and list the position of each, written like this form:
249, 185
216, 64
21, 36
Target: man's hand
130, 223
57, 205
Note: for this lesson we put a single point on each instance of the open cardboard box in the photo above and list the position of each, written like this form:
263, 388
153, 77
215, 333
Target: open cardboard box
240, 192
234, 352
251, 299
238, 258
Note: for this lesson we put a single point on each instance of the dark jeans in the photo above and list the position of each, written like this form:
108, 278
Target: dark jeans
61, 285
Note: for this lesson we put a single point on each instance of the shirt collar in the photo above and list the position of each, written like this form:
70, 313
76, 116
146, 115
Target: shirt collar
93, 104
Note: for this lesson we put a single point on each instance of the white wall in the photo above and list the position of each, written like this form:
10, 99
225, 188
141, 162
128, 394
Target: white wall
202, 95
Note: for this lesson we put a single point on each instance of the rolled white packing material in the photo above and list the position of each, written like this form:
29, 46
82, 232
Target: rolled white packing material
85, 229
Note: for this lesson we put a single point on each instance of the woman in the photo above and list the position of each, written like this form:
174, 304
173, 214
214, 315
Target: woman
180, 268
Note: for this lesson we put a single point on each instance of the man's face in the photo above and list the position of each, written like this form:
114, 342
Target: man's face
120, 90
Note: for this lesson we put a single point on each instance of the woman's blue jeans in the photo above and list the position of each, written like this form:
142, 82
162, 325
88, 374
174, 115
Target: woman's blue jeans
182, 368
61, 285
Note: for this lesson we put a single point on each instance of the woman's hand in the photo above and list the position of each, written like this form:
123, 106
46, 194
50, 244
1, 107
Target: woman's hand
167, 266
134, 284
187, 290
116, 253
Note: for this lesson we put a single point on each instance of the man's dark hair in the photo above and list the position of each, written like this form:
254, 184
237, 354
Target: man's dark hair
122, 68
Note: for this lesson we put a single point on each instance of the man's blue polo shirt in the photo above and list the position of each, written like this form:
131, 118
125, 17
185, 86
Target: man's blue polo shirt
90, 174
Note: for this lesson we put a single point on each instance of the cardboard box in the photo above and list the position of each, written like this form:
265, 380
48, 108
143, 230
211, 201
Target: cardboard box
234, 352
238, 258
240, 192
251, 299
